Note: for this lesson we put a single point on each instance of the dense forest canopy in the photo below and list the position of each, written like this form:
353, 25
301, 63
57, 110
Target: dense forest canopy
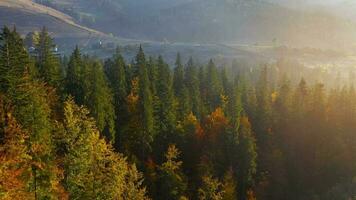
80, 127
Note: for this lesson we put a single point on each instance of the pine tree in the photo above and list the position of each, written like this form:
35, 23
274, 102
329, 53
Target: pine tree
145, 107
139, 131
32, 109
180, 90
263, 123
166, 111
115, 71
229, 186
99, 100
213, 87
192, 84
211, 189
14, 60
15, 168
246, 161
47, 62
34, 114
171, 181
92, 169
73, 80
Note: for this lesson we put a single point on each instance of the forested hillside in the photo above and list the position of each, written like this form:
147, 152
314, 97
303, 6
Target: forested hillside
83, 128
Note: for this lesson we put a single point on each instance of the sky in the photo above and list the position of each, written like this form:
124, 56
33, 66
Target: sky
308, 2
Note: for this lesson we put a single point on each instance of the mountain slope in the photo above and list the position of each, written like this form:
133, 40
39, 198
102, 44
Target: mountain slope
29, 16
251, 22
212, 21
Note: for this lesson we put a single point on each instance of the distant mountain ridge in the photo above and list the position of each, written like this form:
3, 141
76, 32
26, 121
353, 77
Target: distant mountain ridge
31, 9
208, 21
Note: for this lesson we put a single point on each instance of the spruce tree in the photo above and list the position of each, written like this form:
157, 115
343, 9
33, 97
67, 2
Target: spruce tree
140, 101
213, 87
14, 60
180, 90
166, 113
32, 109
14, 156
47, 62
99, 100
73, 80
115, 71
171, 180
192, 84
92, 169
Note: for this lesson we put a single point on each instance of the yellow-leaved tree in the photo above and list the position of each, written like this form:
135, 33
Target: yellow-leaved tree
92, 170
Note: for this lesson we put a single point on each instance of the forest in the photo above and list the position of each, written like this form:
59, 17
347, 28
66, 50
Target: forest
80, 127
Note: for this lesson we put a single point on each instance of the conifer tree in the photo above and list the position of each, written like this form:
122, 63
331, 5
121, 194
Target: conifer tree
92, 169
140, 104
47, 62
166, 111
171, 181
180, 90
229, 186
33, 112
15, 168
213, 86
14, 60
263, 125
246, 161
211, 189
73, 80
99, 100
192, 84
115, 71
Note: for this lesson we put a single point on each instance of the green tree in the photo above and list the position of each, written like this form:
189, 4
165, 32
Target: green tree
211, 189
171, 181
139, 130
180, 90
14, 60
92, 169
213, 86
47, 62
229, 186
166, 111
74, 73
115, 71
15, 168
99, 99
192, 84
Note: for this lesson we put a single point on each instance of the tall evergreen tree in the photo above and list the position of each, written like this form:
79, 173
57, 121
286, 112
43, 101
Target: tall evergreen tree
32, 110
166, 113
73, 80
47, 62
99, 100
140, 110
14, 60
15, 168
180, 90
171, 181
213, 86
115, 71
92, 169
192, 83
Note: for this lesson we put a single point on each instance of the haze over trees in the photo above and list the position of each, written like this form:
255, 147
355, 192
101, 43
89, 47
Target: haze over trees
111, 129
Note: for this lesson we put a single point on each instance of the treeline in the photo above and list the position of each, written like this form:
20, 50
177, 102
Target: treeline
83, 128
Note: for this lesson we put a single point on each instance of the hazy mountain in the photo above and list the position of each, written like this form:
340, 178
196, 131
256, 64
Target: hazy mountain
262, 22
28, 16
213, 21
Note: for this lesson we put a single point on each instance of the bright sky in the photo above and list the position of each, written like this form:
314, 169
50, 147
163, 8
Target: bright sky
311, 1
